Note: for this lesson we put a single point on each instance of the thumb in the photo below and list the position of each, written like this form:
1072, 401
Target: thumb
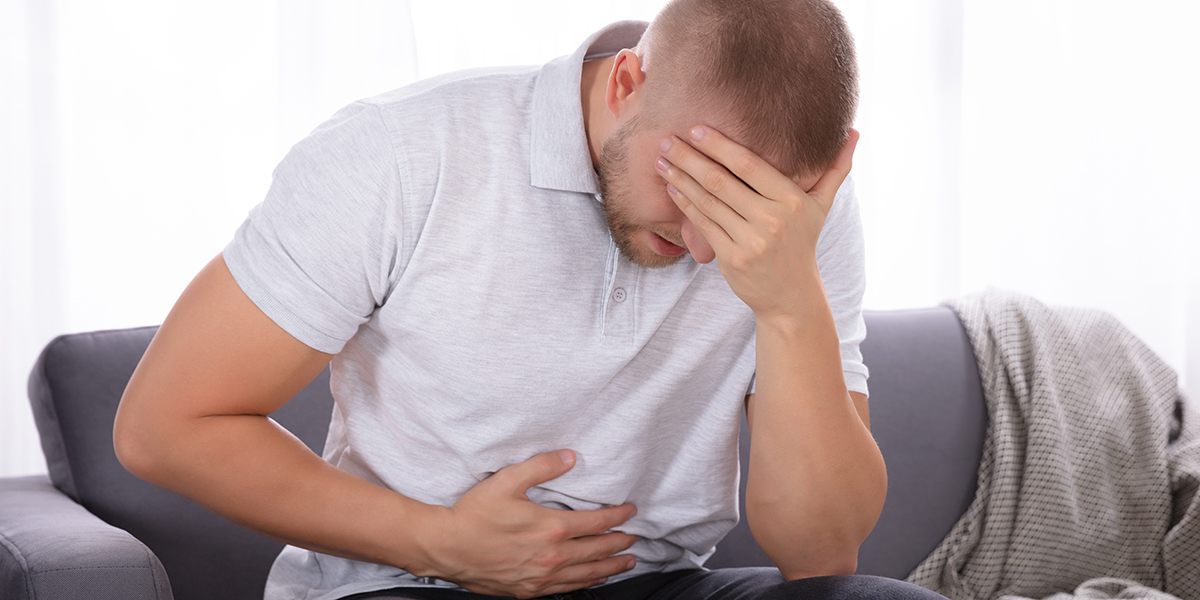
827, 186
536, 470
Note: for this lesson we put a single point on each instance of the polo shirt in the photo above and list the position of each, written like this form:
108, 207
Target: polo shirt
446, 242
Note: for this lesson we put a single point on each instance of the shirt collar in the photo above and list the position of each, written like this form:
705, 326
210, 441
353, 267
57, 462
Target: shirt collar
558, 151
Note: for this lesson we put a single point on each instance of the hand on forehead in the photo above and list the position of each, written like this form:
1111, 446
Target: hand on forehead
688, 126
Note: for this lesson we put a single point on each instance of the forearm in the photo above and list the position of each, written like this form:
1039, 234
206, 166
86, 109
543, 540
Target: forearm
494, 540
816, 481
192, 421
253, 472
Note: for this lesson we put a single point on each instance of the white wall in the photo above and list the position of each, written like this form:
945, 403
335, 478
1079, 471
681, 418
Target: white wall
1048, 147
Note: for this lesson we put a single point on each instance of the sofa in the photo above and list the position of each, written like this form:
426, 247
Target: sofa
90, 529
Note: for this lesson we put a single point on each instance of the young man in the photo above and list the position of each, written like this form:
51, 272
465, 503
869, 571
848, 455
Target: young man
537, 391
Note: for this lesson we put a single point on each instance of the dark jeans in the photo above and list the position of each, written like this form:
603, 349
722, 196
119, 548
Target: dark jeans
758, 583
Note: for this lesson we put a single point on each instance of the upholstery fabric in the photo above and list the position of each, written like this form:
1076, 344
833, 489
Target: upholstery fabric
74, 390
929, 419
51, 547
926, 408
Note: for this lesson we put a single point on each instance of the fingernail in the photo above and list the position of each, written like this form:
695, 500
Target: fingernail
666, 144
567, 457
662, 164
630, 563
671, 189
697, 133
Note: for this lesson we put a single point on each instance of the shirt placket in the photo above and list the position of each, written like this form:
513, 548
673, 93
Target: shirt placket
621, 301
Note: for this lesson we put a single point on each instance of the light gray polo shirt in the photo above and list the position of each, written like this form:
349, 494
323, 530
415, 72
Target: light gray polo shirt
446, 242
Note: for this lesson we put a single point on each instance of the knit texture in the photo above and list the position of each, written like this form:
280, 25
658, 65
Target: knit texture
1089, 477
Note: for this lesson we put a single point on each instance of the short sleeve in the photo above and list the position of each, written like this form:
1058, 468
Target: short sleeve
319, 254
841, 259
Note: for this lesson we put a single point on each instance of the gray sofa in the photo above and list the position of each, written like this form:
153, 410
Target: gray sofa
92, 530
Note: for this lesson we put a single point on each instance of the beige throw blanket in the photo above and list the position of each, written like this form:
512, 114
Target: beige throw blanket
1090, 472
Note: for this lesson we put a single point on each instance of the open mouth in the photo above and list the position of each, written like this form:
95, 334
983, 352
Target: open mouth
664, 247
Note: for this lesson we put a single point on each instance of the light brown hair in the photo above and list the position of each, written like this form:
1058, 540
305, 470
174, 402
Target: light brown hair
782, 71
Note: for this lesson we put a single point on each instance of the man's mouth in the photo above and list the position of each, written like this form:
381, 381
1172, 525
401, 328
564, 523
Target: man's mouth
665, 247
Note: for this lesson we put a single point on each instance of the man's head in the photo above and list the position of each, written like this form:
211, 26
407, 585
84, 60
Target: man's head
777, 76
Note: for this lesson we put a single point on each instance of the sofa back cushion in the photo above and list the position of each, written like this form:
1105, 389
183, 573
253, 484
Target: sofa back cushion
928, 417
927, 414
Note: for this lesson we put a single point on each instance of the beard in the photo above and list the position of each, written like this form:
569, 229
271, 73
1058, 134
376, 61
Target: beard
617, 200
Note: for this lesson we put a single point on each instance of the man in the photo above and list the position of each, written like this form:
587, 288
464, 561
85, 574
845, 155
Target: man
537, 392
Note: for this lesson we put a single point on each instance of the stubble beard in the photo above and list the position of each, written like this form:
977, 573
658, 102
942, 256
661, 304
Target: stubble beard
616, 196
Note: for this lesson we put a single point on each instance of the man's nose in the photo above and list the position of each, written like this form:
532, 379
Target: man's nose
701, 251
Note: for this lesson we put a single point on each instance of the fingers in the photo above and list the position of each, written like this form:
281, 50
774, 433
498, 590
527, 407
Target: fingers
705, 180
714, 233
749, 167
501, 543
535, 471
598, 547
827, 186
715, 220
518, 478
759, 174
591, 573
583, 523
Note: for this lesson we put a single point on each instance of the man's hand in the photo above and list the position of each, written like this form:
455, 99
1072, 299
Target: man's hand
762, 226
816, 481
196, 409
496, 541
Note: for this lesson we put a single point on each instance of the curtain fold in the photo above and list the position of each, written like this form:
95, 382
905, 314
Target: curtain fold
31, 261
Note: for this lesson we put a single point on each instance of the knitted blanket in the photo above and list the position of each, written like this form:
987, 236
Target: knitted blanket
1088, 487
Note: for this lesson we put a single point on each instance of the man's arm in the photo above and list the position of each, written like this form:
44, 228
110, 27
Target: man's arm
194, 420
816, 482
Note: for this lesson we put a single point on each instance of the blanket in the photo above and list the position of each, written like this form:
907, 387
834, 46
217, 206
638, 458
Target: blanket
1090, 471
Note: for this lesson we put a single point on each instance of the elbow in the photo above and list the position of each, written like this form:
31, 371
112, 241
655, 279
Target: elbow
132, 456
131, 451
134, 441
822, 552
818, 538
843, 564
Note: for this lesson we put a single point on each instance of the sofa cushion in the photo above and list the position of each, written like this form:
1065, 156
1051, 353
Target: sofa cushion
927, 414
51, 547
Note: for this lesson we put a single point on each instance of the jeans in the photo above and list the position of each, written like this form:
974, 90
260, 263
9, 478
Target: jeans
758, 583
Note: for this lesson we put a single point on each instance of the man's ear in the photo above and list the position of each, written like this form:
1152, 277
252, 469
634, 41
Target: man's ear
625, 85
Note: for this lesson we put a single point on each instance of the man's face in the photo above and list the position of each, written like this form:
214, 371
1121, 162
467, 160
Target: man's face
646, 226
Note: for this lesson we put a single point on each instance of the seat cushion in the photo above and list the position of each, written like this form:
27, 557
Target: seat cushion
50, 547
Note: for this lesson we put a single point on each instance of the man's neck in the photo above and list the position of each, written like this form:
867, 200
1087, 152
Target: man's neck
597, 120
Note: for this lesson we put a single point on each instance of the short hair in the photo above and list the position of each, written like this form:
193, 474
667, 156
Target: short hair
784, 71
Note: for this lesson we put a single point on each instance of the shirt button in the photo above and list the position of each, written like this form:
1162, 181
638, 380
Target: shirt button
619, 294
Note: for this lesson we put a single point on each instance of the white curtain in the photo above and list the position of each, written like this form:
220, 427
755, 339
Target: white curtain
1044, 146
1047, 147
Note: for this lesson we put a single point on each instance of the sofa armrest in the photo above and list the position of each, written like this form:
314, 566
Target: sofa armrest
51, 548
